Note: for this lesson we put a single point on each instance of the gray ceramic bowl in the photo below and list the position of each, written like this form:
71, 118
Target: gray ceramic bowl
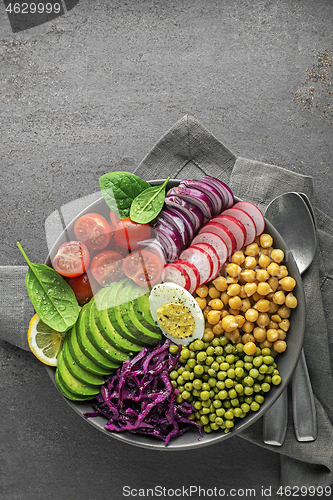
286, 361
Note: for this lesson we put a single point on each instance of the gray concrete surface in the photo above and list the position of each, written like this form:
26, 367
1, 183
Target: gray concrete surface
94, 90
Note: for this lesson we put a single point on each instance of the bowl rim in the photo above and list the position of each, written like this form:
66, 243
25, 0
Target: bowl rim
191, 439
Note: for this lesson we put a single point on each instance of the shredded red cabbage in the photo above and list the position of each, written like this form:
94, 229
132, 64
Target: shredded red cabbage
140, 398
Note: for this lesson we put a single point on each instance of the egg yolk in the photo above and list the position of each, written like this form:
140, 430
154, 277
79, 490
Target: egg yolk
176, 320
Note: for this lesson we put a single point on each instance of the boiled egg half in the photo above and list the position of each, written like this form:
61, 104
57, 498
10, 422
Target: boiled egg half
176, 312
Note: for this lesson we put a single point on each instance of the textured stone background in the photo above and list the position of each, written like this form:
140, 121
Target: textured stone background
94, 90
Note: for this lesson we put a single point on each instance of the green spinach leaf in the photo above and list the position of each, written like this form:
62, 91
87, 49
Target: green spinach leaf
119, 190
148, 204
52, 297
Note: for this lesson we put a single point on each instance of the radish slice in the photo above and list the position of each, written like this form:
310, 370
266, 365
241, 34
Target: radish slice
246, 220
193, 273
223, 232
255, 213
235, 226
175, 273
207, 247
201, 259
217, 243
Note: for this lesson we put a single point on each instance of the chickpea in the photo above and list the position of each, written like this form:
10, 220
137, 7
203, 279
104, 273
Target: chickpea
248, 327
273, 324
202, 291
202, 302
250, 262
288, 283
233, 311
225, 298
277, 255
265, 343
291, 301
246, 304
284, 311
266, 240
250, 348
283, 271
263, 320
251, 315
262, 305
273, 283
235, 302
233, 336
263, 288
284, 324
265, 251
252, 249
216, 304
230, 280
242, 294
262, 275
240, 320
276, 318
213, 317
233, 270
238, 257
274, 270
282, 334
224, 313
264, 261
208, 334
279, 346
259, 334
250, 288
248, 275
272, 334
279, 297
213, 292
220, 283
229, 323
233, 289
247, 337
273, 307
206, 310
217, 329
256, 296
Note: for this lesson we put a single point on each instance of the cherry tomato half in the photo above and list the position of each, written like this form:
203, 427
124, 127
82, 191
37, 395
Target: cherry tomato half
84, 287
129, 233
93, 230
72, 259
106, 267
143, 266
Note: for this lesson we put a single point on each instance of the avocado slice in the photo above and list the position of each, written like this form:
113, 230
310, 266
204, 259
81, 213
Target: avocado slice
97, 339
103, 323
71, 383
87, 347
77, 371
133, 322
67, 394
80, 357
141, 308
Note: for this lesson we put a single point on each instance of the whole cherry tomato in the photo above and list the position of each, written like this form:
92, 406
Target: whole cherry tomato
128, 234
84, 287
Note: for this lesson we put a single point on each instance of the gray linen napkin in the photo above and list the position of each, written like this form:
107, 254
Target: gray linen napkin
189, 150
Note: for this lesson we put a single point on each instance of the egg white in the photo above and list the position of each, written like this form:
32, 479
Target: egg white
164, 293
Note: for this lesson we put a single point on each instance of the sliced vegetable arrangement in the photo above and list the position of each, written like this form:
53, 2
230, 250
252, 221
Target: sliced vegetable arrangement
181, 282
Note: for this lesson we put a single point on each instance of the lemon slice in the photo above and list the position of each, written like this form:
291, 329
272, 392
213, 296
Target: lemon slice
44, 342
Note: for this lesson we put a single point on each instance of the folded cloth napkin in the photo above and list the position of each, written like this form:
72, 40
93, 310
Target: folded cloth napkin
188, 150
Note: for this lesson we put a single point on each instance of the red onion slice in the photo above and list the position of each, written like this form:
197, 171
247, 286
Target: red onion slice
247, 222
195, 212
224, 188
196, 197
170, 242
184, 225
216, 242
213, 194
174, 273
235, 226
223, 232
253, 212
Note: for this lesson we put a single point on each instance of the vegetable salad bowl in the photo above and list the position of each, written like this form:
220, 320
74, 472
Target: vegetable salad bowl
286, 361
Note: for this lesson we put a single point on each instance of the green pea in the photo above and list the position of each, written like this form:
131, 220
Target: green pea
222, 375
268, 379
276, 380
191, 363
186, 375
239, 347
237, 412
218, 350
254, 406
226, 404
245, 407
257, 361
254, 373
204, 395
215, 366
173, 375
220, 412
205, 411
248, 381
229, 349
206, 403
239, 388
207, 429
229, 383
266, 351
268, 360
239, 372
256, 387
224, 341
204, 419
229, 415
173, 349
209, 360
201, 356
197, 383
174, 383
248, 366
197, 405
180, 380
232, 393
211, 372
185, 353
265, 387
229, 424
270, 370
198, 369
196, 393
186, 395
234, 402
198, 344
259, 398
263, 369
212, 382
220, 385
210, 350
212, 417
223, 394
248, 399
219, 421
179, 398
219, 360
217, 403
189, 386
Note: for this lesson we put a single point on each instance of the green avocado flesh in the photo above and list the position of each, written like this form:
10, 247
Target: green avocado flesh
111, 328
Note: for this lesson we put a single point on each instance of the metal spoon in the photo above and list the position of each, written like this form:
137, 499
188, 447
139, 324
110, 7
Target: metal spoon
292, 215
